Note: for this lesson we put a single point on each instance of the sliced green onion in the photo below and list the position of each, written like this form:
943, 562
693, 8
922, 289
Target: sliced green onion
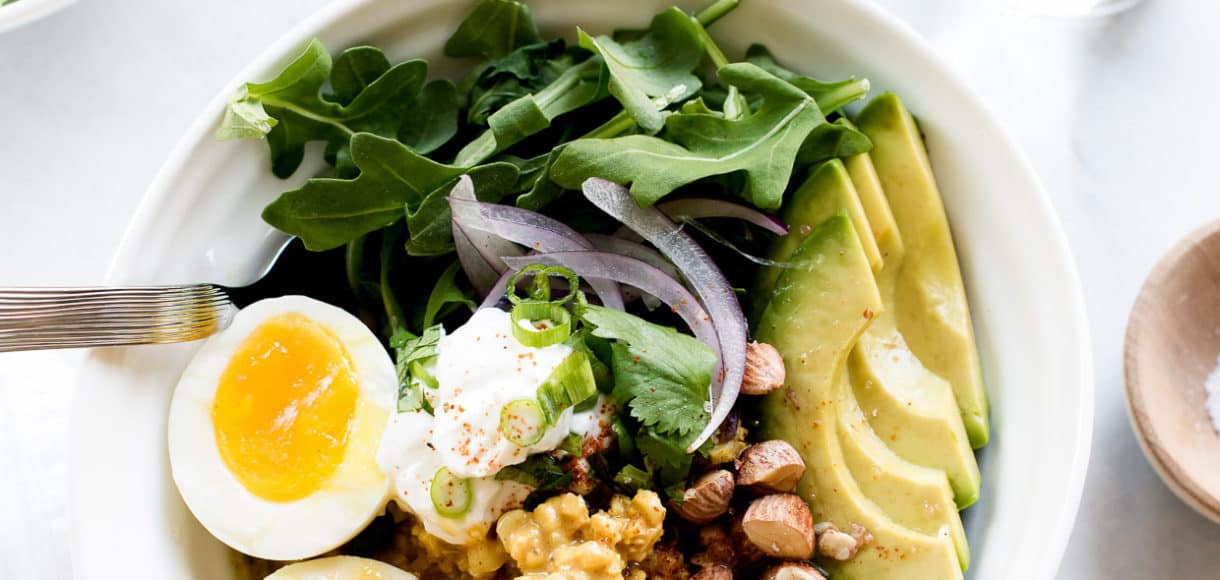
573, 444
522, 422
569, 384
451, 495
540, 290
541, 324
419, 372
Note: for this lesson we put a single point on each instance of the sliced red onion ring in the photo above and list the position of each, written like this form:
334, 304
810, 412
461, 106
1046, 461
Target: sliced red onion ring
705, 279
705, 207
530, 229
635, 250
633, 272
478, 251
497, 290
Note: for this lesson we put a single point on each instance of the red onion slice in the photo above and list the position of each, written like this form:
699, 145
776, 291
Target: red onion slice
635, 250
479, 252
705, 279
532, 230
706, 207
633, 272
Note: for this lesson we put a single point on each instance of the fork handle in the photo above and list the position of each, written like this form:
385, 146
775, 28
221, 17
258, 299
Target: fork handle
85, 317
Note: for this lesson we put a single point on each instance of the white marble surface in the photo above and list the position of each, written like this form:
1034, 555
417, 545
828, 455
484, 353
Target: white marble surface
1114, 114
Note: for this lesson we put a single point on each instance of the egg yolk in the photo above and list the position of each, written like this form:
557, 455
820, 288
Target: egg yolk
284, 406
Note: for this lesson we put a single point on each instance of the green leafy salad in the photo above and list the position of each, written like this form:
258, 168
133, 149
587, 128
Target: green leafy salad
713, 302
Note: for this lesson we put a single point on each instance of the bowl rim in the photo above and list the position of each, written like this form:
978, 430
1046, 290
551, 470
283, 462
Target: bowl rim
1057, 531
21, 13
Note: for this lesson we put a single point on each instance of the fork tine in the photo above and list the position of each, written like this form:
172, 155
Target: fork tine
40, 318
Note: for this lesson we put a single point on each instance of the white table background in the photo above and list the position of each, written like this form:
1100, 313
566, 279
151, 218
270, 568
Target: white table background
1117, 116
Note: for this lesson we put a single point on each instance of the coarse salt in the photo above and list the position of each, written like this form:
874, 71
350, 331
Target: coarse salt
1212, 386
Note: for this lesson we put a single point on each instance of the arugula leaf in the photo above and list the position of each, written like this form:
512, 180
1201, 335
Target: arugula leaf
446, 293
661, 374
651, 72
576, 87
302, 114
525, 70
326, 213
435, 117
429, 223
830, 140
543, 191
763, 145
831, 96
355, 69
492, 30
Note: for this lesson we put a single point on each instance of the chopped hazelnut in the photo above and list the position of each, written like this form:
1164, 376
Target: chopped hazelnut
764, 369
714, 572
792, 571
781, 525
744, 551
708, 498
773, 465
838, 545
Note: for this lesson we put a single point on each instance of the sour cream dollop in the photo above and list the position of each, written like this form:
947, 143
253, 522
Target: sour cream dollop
479, 368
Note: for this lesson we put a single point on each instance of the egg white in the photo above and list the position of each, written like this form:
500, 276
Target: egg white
354, 494
340, 568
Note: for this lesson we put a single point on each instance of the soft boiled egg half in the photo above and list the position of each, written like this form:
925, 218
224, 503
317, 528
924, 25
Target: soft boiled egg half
274, 429
340, 568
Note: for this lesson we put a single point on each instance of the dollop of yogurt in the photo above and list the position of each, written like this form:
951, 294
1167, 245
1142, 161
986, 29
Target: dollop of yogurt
479, 368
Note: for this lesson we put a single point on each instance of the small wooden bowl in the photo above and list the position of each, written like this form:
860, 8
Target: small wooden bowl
1173, 339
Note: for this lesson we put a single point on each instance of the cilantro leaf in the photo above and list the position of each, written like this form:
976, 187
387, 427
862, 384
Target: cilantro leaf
326, 213
667, 459
661, 374
410, 350
763, 145
542, 472
650, 72
493, 29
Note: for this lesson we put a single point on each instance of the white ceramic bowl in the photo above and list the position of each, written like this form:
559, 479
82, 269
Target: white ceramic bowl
24, 12
200, 221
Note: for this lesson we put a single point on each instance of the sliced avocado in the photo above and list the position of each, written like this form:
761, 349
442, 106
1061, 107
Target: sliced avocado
930, 308
911, 409
915, 496
814, 317
826, 191
872, 199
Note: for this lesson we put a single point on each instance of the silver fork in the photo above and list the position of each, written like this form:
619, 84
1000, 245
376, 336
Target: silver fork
46, 318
